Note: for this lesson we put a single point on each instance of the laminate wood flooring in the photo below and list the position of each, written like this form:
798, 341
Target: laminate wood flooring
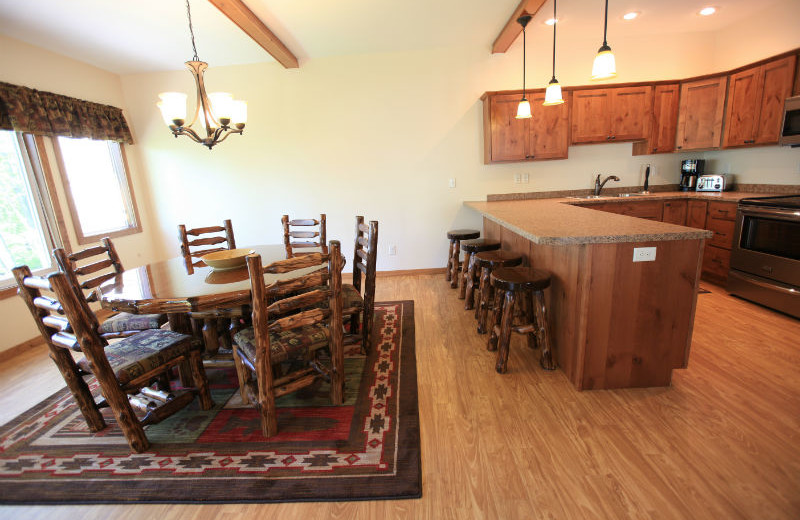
722, 442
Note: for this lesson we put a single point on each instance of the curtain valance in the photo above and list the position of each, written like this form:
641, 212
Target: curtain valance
28, 110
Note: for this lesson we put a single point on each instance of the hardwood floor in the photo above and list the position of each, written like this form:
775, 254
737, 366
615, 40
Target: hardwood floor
722, 442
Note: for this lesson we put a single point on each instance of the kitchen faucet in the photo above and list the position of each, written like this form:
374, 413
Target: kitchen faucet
599, 185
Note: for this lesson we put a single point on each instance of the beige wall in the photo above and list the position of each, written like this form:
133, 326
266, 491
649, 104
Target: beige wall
381, 135
30, 66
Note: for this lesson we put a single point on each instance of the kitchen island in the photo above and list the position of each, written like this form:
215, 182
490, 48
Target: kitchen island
616, 323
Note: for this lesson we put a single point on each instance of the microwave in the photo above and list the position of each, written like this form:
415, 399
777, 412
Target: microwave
790, 129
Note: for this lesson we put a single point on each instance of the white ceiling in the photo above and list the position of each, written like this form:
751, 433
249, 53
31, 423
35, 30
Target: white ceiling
135, 36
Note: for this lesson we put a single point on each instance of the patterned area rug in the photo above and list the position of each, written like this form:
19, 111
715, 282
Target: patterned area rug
367, 449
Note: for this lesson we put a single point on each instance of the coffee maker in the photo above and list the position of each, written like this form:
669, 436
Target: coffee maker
690, 169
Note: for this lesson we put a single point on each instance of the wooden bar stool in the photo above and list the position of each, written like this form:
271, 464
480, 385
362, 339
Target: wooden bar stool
523, 285
486, 262
456, 236
470, 248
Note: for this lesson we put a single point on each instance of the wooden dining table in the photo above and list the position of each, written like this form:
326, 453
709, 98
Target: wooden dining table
176, 288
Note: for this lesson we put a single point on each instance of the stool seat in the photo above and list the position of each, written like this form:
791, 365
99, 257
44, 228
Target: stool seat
463, 234
497, 258
477, 245
520, 279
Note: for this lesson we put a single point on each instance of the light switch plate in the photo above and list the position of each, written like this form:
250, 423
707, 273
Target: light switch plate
644, 254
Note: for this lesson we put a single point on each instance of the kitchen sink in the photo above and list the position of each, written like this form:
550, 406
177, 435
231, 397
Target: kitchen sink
588, 197
632, 194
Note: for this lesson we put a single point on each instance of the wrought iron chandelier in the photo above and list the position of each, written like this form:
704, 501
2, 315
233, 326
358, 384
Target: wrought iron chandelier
219, 114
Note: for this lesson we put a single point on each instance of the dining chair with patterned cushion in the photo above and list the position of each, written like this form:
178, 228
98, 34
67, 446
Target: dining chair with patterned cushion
306, 302
359, 297
133, 373
89, 268
313, 232
218, 326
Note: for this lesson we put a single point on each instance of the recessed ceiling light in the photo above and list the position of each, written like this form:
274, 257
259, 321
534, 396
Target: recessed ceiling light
631, 15
551, 21
708, 11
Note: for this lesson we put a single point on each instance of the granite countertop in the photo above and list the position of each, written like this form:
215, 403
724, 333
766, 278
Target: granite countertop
564, 221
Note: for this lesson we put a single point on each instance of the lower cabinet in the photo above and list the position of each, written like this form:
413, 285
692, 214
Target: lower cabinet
721, 219
675, 211
650, 209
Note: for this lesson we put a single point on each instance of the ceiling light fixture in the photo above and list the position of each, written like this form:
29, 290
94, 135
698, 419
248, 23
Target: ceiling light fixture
604, 64
216, 111
707, 11
552, 96
524, 107
631, 15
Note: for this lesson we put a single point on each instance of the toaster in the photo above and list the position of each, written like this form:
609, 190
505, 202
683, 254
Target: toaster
712, 183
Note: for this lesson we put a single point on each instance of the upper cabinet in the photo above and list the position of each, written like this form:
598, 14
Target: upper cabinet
544, 136
702, 106
663, 121
755, 103
611, 114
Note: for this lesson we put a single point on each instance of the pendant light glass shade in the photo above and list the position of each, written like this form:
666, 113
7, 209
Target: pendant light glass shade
605, 66
552, 96
524, 107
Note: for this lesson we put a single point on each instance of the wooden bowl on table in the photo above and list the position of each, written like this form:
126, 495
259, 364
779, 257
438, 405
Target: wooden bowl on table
228, 259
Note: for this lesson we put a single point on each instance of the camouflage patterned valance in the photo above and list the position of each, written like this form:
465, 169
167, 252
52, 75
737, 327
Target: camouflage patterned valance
28, 110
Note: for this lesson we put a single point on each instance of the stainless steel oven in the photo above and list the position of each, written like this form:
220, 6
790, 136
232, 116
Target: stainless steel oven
765, 259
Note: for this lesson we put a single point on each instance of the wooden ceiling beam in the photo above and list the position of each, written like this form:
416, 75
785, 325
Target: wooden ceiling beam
512, 28
252, 25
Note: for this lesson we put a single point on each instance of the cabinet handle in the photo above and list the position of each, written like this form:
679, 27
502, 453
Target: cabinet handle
613, 137
749, 141
530, 156
679, 147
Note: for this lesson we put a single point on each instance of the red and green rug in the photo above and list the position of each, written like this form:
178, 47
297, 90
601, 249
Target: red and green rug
365, 450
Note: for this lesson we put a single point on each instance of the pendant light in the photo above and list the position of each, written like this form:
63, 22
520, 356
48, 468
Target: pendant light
524, 107
552, 96
604, 65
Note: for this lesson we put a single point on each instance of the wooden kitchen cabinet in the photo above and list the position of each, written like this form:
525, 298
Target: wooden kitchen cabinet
506, 139
754, 110
696, 213
663, 122
611, 114
720, 218
675, 212
702, 105
649, 209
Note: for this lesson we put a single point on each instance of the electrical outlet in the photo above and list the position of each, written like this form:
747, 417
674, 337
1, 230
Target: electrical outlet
644, 254
453, 182
517, 178
526, 178
393, 249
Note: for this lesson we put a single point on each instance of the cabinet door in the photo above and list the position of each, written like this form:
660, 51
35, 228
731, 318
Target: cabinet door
549, 129
590, 109
630, 109
702, 106
696, 214
675, 212
509, 135
741, 113
778, 78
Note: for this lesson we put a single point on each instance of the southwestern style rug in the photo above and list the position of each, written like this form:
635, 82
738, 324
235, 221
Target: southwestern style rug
367, 449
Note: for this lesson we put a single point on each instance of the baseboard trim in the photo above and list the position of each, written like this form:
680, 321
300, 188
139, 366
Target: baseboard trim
437, 270
25, 346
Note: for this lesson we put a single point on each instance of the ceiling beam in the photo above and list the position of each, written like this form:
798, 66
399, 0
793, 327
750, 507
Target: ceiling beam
248, 22
512, 28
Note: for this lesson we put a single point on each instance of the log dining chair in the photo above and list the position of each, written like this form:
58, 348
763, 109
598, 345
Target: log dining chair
311, 228
125, 369
359, 297
218, 326
311, 306
89, 268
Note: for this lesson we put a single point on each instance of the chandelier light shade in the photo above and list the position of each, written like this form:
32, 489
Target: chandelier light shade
524, 107
552, 96
604, 66
219, 115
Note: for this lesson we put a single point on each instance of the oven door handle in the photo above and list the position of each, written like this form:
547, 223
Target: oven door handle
784, 214
775, 286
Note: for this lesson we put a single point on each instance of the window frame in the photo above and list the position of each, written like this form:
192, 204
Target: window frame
133, 209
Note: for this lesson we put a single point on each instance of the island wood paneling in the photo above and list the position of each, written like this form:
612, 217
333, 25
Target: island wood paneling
616, 323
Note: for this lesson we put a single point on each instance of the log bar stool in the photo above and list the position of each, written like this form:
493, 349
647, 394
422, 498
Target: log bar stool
486, 262
510, 284
468, 272
456, 236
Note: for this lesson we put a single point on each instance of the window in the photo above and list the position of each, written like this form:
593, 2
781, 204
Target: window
28, 230
98, 188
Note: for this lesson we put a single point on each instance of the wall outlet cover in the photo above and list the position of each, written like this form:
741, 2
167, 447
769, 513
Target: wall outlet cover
644, 254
